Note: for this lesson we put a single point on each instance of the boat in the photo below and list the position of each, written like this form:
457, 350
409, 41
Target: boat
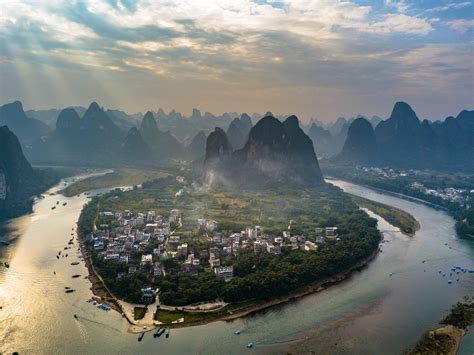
7, 265
75, 263
53, 208
391, 274
156, 332
168, 332
65, 203
70, 290
75, 316
57, 202
250, 345
4, 242
450, 281
237, 332
75, 276
141, 337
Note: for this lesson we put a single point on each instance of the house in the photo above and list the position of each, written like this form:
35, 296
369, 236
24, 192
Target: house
211, 225
173, 242
146, 259
182, 249
214, 261
225, 273
132, 269
273, 249
174, 216
99, 245
331, 232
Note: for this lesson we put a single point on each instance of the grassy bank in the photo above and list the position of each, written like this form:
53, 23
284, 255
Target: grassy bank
119, 177
396, 217
446, 339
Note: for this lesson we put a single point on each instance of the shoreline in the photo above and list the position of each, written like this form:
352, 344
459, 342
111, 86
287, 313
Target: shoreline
107, 296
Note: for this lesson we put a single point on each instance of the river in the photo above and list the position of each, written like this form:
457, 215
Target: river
370, 313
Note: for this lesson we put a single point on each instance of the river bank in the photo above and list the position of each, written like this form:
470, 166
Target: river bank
100, 290
407, 224
368, 313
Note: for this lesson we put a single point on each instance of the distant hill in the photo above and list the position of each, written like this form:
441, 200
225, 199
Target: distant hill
275, 152
27, 129
361, 145
404, 141
134, 148
88, 140
197, 147
239, 130
50, 116
18, 180
162, 144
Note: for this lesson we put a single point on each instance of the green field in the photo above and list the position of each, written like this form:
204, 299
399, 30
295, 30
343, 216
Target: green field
398, 218
119, 177
139, 312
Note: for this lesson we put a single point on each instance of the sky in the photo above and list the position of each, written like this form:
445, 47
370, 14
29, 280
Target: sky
312, 58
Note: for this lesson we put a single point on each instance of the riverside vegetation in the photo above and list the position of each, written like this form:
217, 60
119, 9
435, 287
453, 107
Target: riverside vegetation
445, 340
463, 213
257, 277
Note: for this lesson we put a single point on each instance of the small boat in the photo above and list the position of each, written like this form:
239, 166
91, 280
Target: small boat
54, 272
75, 263
7, 265
75, 316
159, 332
391, 274
457, 280
156, 332
70, 290
237, 332
57, 256
4, 242
53, 208
75, 276
450, 281
65, 248
65, 203
250, 345
168, 332
66, 287
141, 337
57, 202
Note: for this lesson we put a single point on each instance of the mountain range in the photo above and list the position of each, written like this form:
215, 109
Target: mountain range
403, 140
275, 152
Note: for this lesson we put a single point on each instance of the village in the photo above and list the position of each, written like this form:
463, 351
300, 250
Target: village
145, 241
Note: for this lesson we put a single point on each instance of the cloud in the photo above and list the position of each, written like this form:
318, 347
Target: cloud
461, 26
450, 6
400, 5
230, 49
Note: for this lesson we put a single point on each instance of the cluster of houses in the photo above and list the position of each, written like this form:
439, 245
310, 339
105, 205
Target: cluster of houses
459, 196
140, 240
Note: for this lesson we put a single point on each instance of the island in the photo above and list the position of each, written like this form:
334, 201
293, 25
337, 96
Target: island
249, 229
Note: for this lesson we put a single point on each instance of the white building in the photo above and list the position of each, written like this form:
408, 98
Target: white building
225, 273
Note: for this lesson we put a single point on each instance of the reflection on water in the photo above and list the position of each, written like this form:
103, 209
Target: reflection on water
370, 313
